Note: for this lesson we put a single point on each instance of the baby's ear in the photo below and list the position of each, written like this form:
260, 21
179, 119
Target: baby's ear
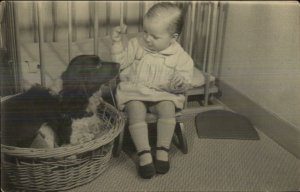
175, 36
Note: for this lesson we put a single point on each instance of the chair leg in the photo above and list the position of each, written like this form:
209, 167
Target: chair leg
118, 144
181, 137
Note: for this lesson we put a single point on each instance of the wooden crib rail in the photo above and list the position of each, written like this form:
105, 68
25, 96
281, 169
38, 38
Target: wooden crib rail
201, 36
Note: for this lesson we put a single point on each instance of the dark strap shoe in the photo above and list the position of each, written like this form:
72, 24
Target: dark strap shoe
146, 171
162, 167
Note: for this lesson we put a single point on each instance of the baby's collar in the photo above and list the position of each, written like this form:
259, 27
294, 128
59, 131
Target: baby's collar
171, 50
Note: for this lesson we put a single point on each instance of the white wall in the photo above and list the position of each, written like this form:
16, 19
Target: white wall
261, 56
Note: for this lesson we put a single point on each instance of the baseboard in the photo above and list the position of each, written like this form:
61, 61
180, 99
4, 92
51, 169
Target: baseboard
281, 131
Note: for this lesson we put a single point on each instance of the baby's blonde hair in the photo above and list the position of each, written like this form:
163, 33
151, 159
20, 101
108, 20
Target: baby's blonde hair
169, 12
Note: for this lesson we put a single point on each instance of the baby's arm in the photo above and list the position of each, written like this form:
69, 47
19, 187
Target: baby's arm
120, 54
182, 78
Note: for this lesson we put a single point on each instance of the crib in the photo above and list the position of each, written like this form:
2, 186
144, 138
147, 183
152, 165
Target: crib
40, 41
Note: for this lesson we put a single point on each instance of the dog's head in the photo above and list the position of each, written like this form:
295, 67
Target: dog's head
83, 77
87, 73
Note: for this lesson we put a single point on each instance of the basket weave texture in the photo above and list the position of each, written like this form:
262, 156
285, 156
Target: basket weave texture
62, 168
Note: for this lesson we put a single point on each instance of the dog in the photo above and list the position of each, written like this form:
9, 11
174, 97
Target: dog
23, 115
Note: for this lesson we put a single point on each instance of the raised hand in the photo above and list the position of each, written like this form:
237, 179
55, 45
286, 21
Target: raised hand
117, 31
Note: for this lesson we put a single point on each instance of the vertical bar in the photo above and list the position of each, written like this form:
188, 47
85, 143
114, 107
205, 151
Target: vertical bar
121, 14
69, 30
206, 88
206, 40
34, 18
220, 35
1, 24
206, 56
198, 34
211, 35
41, 41
217, 43
54, 20
141, 15
195, 32
184, 38
96, 27
74, 24
90, 18
1, 37
107, 17
16, 47
125, 12
214, 36
192, 30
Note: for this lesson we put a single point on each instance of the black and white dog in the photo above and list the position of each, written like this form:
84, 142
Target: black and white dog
23, 115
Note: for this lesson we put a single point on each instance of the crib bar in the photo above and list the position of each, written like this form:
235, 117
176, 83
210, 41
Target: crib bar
121, 14
54, 20
199, 27
141, 15
108, 5
203, 22
1, 28
34, 18
213, 32
96, 28
15, 37
195, 30
125, 11
220, 36
192, 26
70, 30
41, 41
185, 38
90, 18
207, 27
210, 36
216, 39
74, 24
1, 38
207, 53
1, 24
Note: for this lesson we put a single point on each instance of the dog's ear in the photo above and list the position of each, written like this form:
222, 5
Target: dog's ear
70, 81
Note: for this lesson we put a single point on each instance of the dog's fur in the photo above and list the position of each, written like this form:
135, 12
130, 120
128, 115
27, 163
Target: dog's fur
23, 115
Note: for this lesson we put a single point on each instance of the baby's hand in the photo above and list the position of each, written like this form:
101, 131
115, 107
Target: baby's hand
177, 84
116, 33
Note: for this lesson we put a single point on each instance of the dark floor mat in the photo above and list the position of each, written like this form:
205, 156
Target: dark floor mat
221, 124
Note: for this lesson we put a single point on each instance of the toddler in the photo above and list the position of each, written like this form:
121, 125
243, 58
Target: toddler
155, 72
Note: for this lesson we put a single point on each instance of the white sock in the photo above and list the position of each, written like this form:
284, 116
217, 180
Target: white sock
165, 131
139, 135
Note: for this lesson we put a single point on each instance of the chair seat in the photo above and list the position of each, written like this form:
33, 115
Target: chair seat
201, 90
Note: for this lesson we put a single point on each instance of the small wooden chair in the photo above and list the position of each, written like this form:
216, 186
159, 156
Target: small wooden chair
179, 138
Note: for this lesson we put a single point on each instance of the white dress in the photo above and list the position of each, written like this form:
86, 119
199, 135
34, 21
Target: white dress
145, 74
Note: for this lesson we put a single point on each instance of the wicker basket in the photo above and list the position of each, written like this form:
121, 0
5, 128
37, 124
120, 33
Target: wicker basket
66, 167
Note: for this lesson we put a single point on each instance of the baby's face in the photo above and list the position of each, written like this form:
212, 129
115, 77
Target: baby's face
156, 35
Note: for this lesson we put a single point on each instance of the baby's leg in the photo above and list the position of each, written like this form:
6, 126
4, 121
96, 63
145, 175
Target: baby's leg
138, 129
165, 127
